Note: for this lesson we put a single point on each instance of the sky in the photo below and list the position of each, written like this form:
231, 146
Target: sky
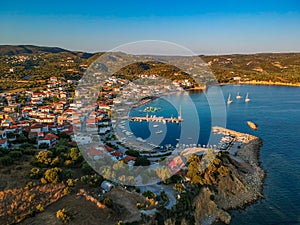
205, 27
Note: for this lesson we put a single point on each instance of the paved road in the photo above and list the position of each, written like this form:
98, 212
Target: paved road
157, 188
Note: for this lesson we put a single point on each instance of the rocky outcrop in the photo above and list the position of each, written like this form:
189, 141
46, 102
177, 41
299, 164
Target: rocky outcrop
250, 151
242, 186
207, 211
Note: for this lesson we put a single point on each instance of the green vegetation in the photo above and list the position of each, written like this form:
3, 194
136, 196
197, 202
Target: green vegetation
107, 202
149, 194
64, 216
52, 175
42, 62
132, 153
142, 161
207, 170
6, 160
277, 67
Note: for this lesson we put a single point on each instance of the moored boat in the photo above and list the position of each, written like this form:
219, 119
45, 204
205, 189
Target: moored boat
229, 101
247, 99
238, 96
252, 125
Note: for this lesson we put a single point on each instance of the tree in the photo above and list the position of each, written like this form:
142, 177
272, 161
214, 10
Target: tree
53, 175
35, 173
74, 154
44, 157
44, 145
142, 161
132, 153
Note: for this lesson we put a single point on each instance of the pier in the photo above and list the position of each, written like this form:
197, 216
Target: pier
154, 118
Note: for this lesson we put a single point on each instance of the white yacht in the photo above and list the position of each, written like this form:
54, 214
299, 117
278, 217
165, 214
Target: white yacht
247, 99
229, 101
238, 96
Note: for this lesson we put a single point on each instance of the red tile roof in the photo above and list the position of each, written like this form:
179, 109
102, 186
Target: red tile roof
3, 141
116, 153
129, 158
94, 152
50, 137
109, 149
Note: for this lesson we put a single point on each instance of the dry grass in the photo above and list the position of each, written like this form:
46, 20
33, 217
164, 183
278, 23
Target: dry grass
87, 212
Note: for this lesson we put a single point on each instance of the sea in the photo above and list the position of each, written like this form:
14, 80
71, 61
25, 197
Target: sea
276, 111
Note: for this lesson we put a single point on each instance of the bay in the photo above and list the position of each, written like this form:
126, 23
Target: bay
276, 111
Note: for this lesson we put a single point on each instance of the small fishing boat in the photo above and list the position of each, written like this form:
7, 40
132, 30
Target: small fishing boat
252, 125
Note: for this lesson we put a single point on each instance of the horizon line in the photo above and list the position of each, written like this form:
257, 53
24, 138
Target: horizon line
196, 53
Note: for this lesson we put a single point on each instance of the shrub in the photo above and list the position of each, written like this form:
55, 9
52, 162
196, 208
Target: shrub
64, 216
85, 179
40, 208
15, 154
55, 161
32, 197
108, 202
74, 154
44, 157
35, 173
30, 185
4, 150
164, 196
68, 162
149, 194
43, 180
70, 183
53, 175
86, 169
67, 190
6, 160
43, 146
140, 205
68, 174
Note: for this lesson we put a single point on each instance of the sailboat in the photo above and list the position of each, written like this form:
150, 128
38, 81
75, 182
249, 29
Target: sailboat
238, 96
229, 101
247, 99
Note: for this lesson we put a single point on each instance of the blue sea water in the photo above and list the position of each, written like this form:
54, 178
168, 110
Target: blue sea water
276, 111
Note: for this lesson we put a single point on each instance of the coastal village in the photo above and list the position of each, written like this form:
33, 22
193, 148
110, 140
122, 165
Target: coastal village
41, 116
45, 113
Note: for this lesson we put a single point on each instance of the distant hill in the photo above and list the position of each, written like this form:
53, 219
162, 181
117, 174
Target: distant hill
28, 49
44, 62
277, 67
10, 50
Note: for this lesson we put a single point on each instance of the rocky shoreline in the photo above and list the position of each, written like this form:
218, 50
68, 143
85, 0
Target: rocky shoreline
243, 187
